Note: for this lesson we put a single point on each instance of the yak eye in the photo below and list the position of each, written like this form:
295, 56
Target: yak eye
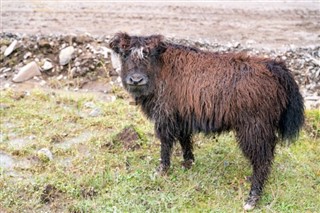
145, 53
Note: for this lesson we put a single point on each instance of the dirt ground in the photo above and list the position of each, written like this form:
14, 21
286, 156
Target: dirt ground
262, 24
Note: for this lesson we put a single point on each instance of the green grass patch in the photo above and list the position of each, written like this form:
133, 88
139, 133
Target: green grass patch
107, 163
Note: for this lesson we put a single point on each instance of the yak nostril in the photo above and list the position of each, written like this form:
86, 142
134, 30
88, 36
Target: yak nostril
136, 80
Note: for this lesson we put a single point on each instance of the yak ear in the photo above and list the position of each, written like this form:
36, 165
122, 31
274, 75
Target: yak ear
156, 44
120, 43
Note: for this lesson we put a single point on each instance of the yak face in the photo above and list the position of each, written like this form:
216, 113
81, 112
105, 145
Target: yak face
140, 62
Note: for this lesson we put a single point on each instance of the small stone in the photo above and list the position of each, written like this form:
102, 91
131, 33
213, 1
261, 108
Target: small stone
5, 69
81, 39
95, 112
27, 55
248, 207
115, 59
27, 72
43, 82
60, 77
66, 55
111, 98
44, 43
89, 105
47, 65
11, 48
45, 155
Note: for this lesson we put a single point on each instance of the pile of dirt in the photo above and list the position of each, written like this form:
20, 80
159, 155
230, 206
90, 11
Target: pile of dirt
72, 61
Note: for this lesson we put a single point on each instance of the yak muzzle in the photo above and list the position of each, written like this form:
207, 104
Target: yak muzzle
137, 79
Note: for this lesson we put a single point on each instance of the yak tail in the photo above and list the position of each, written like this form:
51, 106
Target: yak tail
292, 118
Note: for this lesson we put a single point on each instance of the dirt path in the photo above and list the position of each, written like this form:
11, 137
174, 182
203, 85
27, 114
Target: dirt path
261, 25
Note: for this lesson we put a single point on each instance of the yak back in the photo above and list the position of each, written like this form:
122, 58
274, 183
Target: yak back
213, 91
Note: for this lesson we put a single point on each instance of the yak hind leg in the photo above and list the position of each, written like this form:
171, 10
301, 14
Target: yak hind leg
187, 147
258, 146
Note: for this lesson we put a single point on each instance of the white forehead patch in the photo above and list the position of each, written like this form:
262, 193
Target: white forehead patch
137, 52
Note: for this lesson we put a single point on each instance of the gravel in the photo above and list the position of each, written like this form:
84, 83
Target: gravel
77, 60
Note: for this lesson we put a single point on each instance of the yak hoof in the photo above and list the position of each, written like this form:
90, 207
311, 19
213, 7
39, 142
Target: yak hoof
251, 202
248, 207
162, 170
187, 164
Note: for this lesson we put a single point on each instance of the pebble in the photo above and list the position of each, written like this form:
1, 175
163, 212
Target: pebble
11, 48
5, 69
45, 155
66, 55
47, 65
27, 55
27, 72
96, 112
115, 59
89, 105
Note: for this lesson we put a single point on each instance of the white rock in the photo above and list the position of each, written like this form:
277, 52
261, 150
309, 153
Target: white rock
95, 112
11, 48
115, 59
60, 77
27, 72
47, 65
27, 55
45, 154
66, 55
89, 105
248, 207
43, 82
5, 69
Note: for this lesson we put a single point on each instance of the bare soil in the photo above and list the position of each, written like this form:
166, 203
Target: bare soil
272, 25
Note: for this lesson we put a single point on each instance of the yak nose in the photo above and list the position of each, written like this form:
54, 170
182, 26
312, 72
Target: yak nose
137, 79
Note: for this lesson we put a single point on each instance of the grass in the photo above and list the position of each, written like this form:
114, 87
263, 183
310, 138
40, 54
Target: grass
93, 171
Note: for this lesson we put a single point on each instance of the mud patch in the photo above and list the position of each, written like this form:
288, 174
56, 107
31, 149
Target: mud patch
88, 193
129, 138
49, 194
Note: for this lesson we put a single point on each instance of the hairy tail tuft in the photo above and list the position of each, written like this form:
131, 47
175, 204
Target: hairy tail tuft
292, 119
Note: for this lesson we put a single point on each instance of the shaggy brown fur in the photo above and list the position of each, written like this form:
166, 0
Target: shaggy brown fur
185, 90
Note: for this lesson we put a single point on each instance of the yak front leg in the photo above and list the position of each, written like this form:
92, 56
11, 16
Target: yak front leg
167, 141
166, 150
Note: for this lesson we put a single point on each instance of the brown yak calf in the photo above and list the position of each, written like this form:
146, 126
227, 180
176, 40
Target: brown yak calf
185, 90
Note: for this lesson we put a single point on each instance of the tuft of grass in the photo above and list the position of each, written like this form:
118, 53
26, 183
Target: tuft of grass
93, 170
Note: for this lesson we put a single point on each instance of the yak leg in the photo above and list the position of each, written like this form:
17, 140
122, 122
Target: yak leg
167, 141
258, 146
186, 145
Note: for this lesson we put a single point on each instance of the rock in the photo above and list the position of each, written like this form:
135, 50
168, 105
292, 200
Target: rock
47, 65
27, 72
5, 69
66, 55
45, 155
95, 112
81, 39
3, 49
6, 161
115, 59
90, 105
11, 48
27, 55
44, 43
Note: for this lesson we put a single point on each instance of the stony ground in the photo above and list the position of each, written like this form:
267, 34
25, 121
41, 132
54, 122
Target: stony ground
289, 30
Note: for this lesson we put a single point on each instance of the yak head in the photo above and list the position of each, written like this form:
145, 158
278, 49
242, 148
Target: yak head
140, 61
